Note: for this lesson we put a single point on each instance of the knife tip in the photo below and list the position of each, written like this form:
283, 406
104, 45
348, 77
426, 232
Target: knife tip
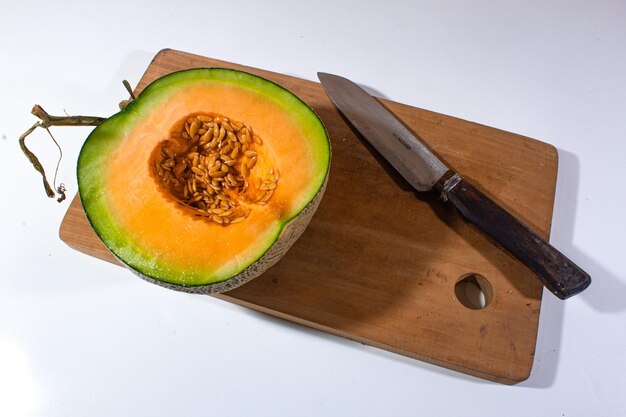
328, 79
321, 74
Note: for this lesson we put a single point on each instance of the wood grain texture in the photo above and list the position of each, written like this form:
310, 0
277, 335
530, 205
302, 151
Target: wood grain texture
378, 263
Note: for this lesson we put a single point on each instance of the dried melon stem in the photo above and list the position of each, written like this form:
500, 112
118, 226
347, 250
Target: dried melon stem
46, 121
215, 166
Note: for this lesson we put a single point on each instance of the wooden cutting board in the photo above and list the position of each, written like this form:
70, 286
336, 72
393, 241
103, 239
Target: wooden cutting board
379, 263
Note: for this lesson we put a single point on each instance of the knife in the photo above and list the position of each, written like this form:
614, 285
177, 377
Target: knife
426, 172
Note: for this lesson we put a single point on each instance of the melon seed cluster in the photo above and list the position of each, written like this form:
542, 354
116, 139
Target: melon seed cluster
208, 166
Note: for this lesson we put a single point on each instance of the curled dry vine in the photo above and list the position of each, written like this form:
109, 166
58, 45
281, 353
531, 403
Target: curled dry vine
46, 121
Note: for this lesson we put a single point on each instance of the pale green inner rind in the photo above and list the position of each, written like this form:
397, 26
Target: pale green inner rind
106, 137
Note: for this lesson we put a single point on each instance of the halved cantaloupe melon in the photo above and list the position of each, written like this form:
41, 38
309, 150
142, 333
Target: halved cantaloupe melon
206, 179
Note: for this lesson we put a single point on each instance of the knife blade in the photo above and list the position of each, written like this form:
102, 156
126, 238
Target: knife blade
424, 171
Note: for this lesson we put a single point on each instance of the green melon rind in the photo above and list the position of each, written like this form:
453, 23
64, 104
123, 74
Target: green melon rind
105, 138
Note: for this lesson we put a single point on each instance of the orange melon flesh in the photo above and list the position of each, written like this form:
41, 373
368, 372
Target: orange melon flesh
147, 229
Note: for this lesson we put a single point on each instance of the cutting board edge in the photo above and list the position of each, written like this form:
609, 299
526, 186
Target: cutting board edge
510, 379
166, 51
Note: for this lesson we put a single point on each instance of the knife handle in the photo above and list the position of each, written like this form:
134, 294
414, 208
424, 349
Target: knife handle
557, 273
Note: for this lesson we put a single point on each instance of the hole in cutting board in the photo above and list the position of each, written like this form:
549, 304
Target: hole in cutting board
473, 291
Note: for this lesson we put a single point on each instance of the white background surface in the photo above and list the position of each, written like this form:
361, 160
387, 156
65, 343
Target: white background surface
81, 337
